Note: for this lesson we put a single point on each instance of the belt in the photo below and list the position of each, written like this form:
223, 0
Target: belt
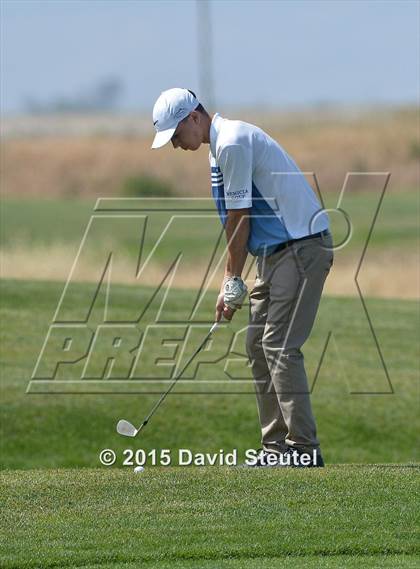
282, 246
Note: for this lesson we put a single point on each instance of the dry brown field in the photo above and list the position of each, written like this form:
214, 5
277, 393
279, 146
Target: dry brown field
74, 156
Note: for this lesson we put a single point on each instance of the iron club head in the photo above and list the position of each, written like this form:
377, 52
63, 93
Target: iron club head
126, 429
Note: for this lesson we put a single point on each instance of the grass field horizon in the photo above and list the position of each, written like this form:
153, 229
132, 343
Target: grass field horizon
74, 156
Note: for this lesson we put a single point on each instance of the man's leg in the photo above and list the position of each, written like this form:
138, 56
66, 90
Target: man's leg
273, 427
296, 277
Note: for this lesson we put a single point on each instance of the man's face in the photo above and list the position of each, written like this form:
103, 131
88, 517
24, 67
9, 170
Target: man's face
188, 134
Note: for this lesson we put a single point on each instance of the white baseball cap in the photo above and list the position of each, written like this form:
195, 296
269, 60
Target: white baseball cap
171, 108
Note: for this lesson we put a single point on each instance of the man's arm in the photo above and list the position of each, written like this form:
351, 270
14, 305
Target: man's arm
237, 233
235, 163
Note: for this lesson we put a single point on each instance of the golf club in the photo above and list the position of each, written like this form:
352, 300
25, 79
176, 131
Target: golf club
126, 428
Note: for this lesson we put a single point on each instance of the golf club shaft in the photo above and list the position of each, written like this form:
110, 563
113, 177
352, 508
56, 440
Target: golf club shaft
163, 396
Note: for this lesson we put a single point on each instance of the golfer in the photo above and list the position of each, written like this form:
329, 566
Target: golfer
269, 210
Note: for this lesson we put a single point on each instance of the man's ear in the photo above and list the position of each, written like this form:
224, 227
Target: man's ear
196, 117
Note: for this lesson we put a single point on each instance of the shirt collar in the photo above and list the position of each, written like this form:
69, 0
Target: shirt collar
214, 132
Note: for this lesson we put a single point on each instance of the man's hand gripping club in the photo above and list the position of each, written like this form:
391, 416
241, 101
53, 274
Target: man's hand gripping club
231, 297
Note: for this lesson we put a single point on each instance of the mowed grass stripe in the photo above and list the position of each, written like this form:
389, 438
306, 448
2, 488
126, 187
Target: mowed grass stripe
33, 222
63, 518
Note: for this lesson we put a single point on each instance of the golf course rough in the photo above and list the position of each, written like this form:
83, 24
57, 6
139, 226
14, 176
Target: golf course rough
210, 517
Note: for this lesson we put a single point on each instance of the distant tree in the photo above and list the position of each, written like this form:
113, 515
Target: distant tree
102, 97
107, 94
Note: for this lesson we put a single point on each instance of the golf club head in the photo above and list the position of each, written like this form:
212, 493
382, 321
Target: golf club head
126, 429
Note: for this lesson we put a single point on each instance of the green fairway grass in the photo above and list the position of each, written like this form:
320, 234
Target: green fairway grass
210, 517
61, 508
378, 424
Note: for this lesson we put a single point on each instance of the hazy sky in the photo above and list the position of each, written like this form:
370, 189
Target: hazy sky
265, 52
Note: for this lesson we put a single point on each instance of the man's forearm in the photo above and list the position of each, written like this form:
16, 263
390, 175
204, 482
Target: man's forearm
237, 233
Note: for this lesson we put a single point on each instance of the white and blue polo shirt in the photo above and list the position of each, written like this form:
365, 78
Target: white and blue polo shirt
251, 170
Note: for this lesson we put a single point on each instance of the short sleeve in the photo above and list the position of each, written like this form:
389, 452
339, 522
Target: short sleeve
235, 163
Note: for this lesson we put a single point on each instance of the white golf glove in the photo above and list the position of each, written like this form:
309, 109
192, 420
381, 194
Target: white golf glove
234, 292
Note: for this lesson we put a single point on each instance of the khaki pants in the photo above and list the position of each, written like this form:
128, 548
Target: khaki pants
283, 306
